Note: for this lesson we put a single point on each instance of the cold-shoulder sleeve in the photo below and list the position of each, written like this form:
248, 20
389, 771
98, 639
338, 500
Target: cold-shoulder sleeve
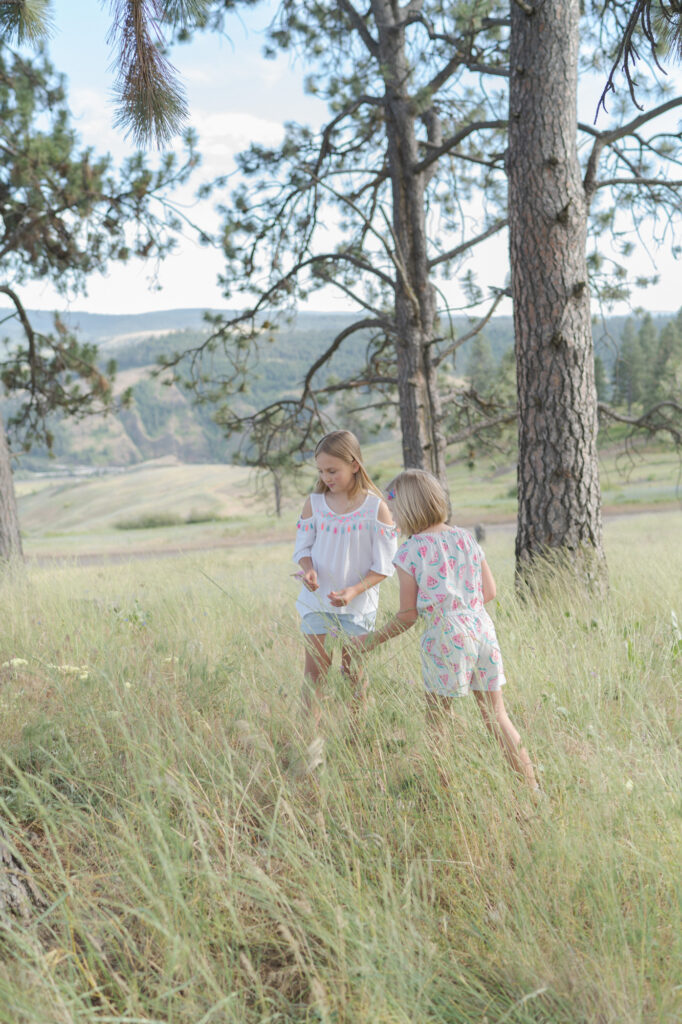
305, 537
384, 544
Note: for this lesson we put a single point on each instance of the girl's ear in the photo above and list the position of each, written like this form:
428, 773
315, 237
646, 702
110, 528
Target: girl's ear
355, 466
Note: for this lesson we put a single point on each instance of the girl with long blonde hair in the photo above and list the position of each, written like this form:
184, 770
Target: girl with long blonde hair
345, 545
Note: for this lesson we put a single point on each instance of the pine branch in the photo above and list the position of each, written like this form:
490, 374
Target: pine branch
627, 48
452, 254
652, 420
26, 22
481, 426
360, 27
435, 153
660, 182
476, 329
608, 138
152, 105
359, 325
28, 329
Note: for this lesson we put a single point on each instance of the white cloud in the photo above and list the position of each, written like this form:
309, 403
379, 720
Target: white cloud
223, 135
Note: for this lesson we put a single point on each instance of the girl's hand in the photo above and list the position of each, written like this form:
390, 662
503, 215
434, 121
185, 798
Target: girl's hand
309, 580
340, 598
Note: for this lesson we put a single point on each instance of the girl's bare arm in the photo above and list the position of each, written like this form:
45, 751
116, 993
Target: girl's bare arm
489, 588
401, 621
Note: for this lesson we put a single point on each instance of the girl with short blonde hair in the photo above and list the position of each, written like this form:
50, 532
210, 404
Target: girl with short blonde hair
445, 579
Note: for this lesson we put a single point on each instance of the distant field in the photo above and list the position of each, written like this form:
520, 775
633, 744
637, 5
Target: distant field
166, 505
65, 513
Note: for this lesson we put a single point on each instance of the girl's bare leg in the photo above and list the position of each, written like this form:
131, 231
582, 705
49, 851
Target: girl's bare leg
354, 671
317, 663
304, 759
494, 713
357, 677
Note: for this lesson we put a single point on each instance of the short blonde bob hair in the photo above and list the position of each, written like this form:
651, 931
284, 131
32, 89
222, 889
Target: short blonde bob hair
417, 501
344, 445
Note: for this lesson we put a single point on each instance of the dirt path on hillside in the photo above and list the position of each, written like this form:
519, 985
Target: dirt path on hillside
492, 523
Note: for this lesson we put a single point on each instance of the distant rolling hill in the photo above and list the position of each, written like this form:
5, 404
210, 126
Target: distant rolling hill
163, 421
101, 327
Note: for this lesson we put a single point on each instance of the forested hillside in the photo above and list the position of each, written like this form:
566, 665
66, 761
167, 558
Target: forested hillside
633, 354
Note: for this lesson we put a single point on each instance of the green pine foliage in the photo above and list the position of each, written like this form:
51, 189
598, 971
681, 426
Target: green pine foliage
648, 366
65, 213
481, 365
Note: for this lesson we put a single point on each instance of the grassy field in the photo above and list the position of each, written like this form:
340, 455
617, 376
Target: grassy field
149, 710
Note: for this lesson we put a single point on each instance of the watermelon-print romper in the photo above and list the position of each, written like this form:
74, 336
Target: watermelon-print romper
459, 647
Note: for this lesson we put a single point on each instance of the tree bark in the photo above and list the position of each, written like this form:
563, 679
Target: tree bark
19, 896
415, 297
10, 538
558, 472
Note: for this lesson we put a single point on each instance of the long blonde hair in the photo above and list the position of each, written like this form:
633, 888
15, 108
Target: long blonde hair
345, 446
418, 501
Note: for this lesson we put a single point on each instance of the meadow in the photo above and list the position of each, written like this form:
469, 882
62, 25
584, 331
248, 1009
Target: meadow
187, 874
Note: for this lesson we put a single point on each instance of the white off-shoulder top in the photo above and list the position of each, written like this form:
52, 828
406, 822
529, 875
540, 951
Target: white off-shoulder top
344, 548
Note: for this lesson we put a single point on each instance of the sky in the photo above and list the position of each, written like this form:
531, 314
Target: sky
234, 97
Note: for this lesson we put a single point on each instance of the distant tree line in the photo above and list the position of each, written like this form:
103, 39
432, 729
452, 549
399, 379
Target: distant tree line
648, 365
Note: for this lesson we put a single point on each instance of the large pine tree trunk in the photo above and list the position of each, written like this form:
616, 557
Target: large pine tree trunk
10, 538
415, 297
558, 474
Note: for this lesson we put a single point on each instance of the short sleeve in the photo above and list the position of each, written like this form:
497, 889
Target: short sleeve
403, 558
305, 538
472, 545
384, 544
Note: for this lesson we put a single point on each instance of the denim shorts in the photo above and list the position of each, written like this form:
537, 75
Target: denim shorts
322, 623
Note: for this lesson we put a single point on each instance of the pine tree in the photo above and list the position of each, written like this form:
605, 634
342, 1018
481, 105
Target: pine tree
667, 374
481, 366
65, 214
648, 343
628, 368
551, 198
600, 379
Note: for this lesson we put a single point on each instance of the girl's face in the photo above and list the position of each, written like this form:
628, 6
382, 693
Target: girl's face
337, 475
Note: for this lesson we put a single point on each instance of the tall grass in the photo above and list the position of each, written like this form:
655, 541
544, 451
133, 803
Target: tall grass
188, 877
